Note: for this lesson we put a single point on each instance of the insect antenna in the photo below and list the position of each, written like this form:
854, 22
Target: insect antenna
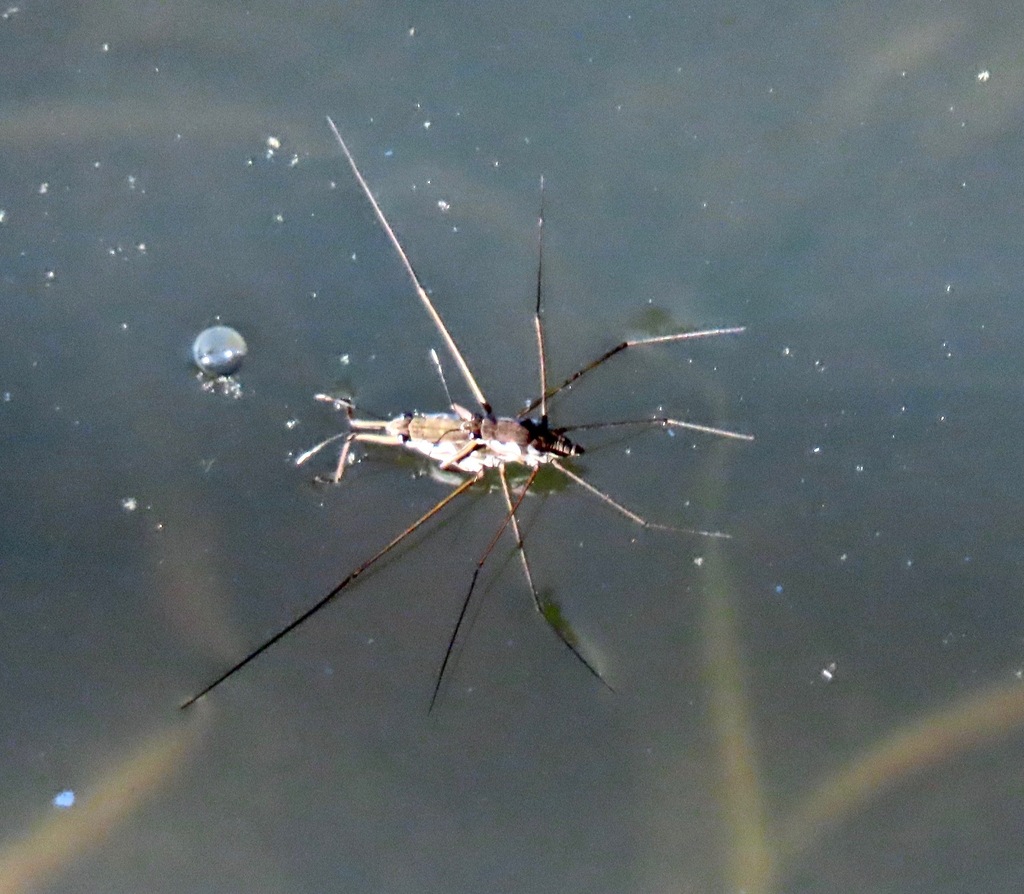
544, 609
510, 516
352, 575
440, 373
538, 324
622, 346
420, 291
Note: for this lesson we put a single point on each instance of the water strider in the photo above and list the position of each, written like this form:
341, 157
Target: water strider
473, 441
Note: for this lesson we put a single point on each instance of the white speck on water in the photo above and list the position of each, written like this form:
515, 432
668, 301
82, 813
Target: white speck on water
443, 205
828, 672
64, 799
129, 504
698, 561
983, 76
44, 188
273, 143
786, 352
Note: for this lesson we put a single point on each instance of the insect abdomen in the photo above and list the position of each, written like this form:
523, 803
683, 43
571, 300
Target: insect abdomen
438, 427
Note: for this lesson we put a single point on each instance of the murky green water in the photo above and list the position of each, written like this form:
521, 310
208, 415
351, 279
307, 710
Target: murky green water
826, 702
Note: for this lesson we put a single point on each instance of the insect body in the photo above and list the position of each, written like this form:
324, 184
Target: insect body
460, 440
469, 442
473, 442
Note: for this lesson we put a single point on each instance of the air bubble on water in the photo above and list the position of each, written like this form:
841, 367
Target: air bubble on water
219, 350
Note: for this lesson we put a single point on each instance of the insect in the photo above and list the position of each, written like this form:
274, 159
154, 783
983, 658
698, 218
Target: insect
472, 442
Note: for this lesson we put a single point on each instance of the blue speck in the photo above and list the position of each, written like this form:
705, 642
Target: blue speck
65, 799
778, 589
388, 153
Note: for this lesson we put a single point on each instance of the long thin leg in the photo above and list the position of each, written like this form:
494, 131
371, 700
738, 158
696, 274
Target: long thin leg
420, 291
360, 434
472, 586
664, 422
629, 513
306, 615
538, 324
564, 633
622, 346
316, 448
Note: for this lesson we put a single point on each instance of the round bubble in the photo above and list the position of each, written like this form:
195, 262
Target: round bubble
219, 350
